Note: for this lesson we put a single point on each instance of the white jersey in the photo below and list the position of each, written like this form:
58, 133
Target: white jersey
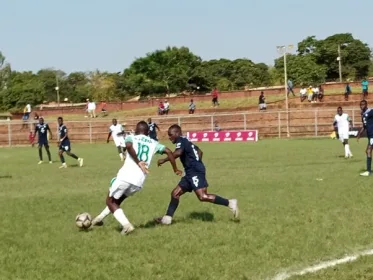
343, 122
145, 148
118, 139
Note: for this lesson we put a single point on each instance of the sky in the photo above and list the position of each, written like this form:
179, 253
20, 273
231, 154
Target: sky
85, 35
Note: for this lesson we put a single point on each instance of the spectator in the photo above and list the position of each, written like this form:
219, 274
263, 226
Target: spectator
290, 87
103, 109
215, 101
160, 108
216, 127
310, 93
364, 87
348, 91
166, 107
26, 115
315, 94
192, 107
91, 109
321, 93
262, 102
303, 94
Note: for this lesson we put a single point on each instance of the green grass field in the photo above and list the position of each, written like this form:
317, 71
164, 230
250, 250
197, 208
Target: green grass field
290, 218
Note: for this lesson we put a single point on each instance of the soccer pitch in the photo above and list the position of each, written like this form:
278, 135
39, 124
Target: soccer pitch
300, 203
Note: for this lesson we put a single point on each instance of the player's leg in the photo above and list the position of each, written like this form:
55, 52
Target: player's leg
174, 202
113, 201
62, 158
369, 158
203, 196
120, 151
348, 153
48, 152
40, 150
68, 152
99, 220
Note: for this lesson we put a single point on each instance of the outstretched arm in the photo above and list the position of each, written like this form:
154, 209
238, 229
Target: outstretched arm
171, 159
176, 154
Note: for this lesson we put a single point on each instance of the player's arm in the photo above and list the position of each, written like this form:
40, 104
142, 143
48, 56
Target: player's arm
362, 129
50, 131
108, 137
157, 127
200, 154
61, 139
171, 159
131, 151
176, 154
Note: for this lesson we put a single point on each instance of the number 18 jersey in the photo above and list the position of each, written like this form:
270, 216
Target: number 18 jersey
145, 148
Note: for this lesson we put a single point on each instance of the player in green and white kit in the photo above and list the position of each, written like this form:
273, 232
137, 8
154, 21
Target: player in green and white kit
130, 178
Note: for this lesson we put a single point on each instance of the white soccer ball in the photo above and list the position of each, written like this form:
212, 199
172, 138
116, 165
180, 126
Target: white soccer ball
83, 220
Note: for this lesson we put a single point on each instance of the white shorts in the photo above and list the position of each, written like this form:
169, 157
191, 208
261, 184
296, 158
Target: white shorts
343, 135
119, 142
120, 188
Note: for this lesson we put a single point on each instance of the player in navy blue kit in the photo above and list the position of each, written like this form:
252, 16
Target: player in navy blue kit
152, 129
42, 130
195, 176
64, 144
367, 120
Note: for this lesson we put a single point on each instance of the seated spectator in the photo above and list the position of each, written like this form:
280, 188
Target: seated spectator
321, 93
262, 102
303, 94
160, 108
103, 109
348, 91
192, 107
216, 127
166, 107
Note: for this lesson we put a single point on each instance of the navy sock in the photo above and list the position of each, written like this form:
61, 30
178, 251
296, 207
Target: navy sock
73, 156
369, 164
221, 201
62, 159
174, 203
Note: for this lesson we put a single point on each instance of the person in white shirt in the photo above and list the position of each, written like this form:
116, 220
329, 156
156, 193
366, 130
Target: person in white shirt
166, 107
92, 109
117, 132
315, 96
343, 122
131, 177
303, 94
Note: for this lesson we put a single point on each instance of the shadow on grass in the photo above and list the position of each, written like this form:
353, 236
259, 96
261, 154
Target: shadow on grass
201, 216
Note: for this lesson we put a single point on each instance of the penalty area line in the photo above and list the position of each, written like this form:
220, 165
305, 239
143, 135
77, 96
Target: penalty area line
323, 265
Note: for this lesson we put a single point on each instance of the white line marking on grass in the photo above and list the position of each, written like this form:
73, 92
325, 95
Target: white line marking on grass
323, 265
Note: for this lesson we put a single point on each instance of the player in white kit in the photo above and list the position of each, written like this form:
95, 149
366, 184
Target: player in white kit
343, 122
116, 130
131, 177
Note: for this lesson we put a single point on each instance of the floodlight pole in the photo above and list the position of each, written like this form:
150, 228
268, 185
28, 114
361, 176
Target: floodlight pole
339, 63
283, 50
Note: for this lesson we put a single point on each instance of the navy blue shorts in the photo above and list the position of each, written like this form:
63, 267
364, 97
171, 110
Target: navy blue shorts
43, 142
65, 146
193, 182
154, 137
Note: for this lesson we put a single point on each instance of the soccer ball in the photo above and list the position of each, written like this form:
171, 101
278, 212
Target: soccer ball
83, 220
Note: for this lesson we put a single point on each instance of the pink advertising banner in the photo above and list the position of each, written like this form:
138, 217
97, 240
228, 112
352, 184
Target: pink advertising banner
224, 136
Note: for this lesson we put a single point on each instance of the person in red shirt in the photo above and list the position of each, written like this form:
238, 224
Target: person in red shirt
160, 108
215, 97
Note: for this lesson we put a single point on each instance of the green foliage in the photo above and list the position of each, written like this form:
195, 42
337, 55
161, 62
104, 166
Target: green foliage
176, 70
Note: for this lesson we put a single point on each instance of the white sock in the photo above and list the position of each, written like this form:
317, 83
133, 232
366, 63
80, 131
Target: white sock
346, 150
121, 218
103, 214
121, 156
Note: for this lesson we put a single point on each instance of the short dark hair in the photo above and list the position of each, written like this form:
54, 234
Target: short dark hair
175, 127
60, 118
142, 126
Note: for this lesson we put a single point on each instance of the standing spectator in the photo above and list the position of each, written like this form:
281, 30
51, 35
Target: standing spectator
262, 102
192, 107
303, 94
103, 109
290, 87
310, 93
321, 93
348, 91
160, 108
166, 107
364, 87
215, 101
92, 109
26, 115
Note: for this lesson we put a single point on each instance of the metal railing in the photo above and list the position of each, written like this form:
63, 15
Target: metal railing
315, 122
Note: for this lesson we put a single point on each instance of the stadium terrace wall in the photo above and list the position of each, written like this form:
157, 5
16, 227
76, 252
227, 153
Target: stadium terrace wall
52, 109
302, 123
